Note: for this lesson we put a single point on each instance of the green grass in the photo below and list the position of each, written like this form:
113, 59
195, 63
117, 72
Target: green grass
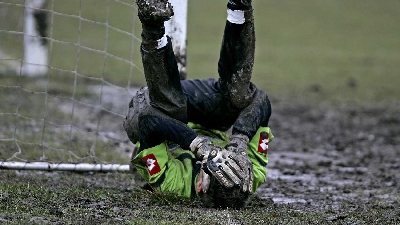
73, 198
320, 51
79, 45
334, 51
22, 115
311, 50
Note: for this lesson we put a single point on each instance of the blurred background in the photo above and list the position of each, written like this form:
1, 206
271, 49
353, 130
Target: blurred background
335, 52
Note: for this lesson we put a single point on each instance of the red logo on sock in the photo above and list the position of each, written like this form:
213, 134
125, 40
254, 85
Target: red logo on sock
263, 142
152, 164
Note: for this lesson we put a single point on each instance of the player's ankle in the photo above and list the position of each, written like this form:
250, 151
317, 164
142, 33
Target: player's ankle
239, 16
153, 38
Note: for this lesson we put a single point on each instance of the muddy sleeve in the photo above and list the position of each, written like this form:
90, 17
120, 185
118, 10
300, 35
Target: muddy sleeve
167, 171
258, 155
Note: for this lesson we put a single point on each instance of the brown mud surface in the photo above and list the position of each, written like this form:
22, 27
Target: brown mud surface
335, 165
326, 157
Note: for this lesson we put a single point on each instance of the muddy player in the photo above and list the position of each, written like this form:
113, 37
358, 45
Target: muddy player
180, 124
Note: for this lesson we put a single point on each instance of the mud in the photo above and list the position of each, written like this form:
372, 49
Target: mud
327, 164
326, 156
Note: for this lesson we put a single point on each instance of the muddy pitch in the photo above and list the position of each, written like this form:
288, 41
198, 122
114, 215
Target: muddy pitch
340, 162
325, 157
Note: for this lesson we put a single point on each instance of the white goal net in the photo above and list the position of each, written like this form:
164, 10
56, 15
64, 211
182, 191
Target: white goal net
67, 72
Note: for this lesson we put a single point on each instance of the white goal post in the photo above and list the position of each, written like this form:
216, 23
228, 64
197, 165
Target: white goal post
35, 48
176, 28
68, 70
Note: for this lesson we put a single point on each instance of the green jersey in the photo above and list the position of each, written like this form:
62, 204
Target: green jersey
169, 168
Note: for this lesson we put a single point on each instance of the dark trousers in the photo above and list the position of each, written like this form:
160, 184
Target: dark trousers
231, 100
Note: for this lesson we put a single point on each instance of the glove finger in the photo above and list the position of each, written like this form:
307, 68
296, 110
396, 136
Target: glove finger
248, 182
235, 166
224, 157
230, 173
251, 181
245, 186
221, 177
212, 168
242, 161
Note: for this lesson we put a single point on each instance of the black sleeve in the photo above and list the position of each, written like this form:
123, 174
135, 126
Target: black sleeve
254, 115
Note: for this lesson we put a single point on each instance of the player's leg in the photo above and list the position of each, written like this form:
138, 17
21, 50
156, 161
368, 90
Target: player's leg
218, 104
235, 70
236, 61
159, 63
156, 127
207, 105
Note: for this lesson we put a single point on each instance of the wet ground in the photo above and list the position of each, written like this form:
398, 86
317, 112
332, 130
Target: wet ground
325, 157
326, 165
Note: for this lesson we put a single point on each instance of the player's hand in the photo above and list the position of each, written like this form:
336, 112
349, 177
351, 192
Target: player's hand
230, 169
238, 143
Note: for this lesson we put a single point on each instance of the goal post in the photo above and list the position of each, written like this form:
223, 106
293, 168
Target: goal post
35, 61
69, 70
176, 28
64, 166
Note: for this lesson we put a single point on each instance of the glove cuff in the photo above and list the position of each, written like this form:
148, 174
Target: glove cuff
239, 138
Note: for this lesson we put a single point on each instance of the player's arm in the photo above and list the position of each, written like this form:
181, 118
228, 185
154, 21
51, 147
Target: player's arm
251, 134
166, 171
258, 154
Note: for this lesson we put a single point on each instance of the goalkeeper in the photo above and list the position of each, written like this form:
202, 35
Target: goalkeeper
184, 157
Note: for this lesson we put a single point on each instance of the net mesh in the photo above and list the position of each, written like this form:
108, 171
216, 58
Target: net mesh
74, 112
